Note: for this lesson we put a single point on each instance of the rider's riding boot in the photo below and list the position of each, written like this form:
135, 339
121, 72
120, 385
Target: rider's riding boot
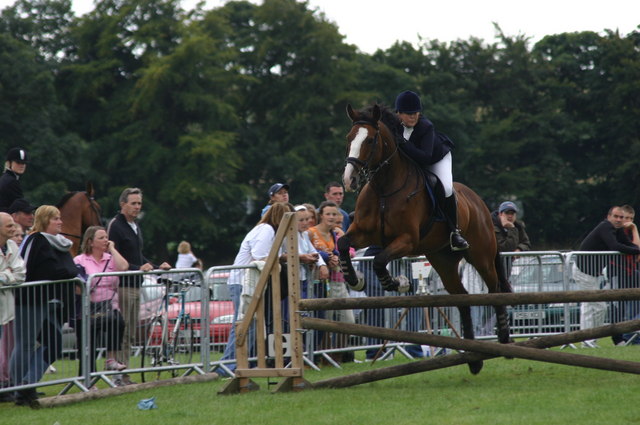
450, 208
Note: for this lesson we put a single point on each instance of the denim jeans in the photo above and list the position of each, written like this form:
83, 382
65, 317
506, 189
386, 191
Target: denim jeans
230, 350
29, 360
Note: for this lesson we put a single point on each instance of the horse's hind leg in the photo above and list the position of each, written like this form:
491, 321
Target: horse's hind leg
447, 268
496, 281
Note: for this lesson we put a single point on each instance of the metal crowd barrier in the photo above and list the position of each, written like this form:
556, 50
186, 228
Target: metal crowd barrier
535, 271
72, 353
59, 339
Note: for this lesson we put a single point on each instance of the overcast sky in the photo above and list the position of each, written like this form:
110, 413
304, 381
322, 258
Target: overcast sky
373, 24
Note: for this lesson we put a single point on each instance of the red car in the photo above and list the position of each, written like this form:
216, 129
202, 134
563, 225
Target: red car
220, 315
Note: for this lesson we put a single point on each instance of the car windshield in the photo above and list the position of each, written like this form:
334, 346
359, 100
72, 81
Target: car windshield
220, 293
533, 274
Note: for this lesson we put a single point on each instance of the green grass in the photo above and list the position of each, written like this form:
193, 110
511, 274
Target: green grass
505, 392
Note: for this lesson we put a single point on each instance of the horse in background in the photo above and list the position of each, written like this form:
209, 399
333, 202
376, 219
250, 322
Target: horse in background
79, 211
395, 211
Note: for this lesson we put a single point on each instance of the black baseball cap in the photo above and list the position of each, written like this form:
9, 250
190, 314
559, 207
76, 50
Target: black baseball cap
276, 187
21, 205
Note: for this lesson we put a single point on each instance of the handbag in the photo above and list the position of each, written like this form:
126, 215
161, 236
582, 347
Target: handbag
100, 309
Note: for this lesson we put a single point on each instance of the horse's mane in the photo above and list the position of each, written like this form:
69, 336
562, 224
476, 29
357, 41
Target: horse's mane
64, 199
388, 118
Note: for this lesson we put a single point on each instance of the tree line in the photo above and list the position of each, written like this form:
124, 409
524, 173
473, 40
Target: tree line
204, 109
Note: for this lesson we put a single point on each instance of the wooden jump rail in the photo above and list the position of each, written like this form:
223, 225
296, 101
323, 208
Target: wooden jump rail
450, 360
469, 299
474, 350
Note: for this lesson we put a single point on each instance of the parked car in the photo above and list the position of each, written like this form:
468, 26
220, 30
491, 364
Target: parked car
542, 274
220, 313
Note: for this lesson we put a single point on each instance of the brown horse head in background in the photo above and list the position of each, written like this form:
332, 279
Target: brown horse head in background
394, 211
79, 211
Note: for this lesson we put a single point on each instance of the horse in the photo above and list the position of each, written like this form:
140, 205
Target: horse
394, 211
79, 211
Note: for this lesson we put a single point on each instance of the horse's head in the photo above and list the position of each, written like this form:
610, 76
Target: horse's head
367, 144
79, 210
91, 210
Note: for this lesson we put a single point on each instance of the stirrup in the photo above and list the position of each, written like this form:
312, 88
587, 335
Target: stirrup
457, 242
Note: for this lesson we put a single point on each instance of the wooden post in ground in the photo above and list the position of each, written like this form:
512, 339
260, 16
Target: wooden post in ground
287, 233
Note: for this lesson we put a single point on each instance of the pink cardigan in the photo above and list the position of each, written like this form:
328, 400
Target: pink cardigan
107, 286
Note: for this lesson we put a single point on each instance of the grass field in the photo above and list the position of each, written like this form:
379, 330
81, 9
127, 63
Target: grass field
505, 392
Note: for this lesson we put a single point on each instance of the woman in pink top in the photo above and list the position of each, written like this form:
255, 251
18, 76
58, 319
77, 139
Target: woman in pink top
99, 255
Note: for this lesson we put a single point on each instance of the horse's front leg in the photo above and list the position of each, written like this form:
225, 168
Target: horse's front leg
350, 277
397, 249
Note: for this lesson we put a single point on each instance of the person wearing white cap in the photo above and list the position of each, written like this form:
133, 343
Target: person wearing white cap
14, 167
279, 192
510, 232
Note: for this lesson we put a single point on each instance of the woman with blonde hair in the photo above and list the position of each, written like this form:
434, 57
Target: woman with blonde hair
14, 168
42, 309
186, 259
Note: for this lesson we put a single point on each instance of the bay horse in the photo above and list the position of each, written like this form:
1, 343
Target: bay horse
79, 211
394, 211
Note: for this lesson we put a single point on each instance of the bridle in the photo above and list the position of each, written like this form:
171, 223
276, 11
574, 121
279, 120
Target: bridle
365, 172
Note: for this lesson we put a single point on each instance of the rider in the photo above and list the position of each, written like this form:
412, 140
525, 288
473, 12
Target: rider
10, 188
432, 152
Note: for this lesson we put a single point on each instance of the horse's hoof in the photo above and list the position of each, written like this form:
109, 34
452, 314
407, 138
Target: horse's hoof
360, 282
475, 367
396, 284
404, 285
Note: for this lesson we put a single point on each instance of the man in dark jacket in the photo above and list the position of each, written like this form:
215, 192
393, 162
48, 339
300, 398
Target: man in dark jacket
510, 232
608, 235
126, 235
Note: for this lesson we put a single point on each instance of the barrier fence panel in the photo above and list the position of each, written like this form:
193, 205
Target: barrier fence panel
540, 272
605, 270
63, 335
35, 347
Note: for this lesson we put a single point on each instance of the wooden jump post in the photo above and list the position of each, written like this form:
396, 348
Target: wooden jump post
288, 234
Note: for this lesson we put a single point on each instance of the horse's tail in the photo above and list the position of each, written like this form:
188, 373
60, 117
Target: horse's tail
505, 285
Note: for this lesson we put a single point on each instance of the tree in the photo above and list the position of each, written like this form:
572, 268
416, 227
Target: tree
32, 117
